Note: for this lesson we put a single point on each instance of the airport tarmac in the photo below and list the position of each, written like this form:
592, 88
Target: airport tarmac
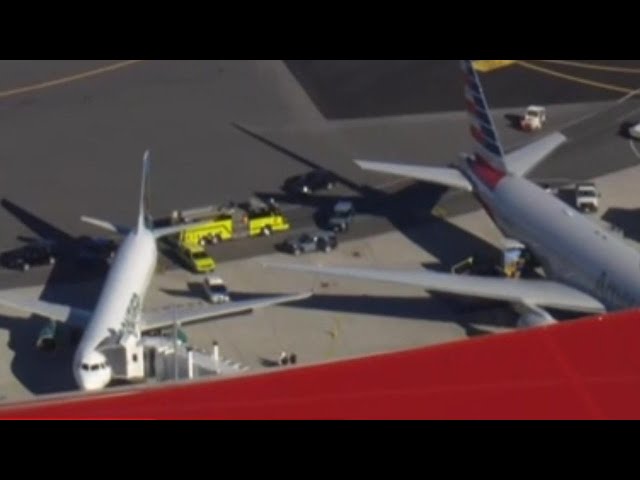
75, 148
369, 88
224, 130
344, 318
386, 203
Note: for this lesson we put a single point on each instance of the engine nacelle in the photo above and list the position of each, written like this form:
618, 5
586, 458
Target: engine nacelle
533, 317
48, 337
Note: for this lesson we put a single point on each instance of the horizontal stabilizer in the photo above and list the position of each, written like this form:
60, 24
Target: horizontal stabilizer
523, 160
164, 318
446, 176
112, 227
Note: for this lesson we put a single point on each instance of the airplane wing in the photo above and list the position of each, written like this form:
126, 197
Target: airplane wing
542, 293
522, 160
449, 177
54, 311
153, 320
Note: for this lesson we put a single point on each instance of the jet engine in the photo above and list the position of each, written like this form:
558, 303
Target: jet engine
48, 339
531, 316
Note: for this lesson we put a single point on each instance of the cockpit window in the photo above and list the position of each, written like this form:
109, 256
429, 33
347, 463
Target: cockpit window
95, 366
85, 366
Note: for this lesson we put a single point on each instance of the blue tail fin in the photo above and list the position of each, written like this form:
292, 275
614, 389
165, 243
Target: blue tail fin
487, 145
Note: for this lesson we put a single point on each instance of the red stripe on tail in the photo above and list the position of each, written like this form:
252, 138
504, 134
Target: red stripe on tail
487, 173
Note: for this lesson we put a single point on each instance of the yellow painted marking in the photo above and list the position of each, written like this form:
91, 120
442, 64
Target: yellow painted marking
605, 86
334, 333
593, 66
69, 79
489, 65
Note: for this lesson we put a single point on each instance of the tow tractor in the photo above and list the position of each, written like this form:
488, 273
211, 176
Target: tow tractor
534, 118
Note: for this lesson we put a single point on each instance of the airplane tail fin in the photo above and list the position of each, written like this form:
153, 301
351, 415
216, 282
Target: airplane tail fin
487, 147
145, 221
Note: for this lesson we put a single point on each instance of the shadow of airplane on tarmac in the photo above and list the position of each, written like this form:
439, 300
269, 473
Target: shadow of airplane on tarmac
40, 372
409, 207
626, 219
69, 282
422, 309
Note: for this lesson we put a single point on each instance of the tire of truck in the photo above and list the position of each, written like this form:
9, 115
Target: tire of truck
266, 231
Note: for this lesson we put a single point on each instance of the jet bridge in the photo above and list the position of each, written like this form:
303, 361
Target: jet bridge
135, 357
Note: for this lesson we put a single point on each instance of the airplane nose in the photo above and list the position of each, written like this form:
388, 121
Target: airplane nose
92, 380
92, 372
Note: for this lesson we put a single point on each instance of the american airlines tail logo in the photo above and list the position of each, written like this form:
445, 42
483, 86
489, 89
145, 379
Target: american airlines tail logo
486, 144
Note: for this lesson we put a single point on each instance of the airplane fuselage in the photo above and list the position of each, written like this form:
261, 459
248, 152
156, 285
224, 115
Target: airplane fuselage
120, 301
571, 247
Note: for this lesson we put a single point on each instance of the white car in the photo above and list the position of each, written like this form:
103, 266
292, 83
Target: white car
634, 131
534, 118
587, 197
215, 289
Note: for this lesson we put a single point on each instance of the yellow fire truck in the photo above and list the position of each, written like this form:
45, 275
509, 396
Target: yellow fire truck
248, 219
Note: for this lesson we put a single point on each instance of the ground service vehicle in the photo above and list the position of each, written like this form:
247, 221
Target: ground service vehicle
215, 289
587, 197
341, 216
195, 257
24, 258
534, 118
249, 219
310, 182
310, 242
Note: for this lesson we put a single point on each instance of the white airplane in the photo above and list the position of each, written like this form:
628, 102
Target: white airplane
587, 268
120, 301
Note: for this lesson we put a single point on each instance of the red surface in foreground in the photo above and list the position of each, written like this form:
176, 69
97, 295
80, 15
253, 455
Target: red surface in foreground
580, 369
